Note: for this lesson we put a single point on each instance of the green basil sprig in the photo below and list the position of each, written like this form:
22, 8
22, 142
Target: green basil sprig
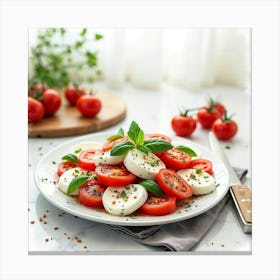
136, 140
152, 187
76, 183
71, 158
119, 134
187, 150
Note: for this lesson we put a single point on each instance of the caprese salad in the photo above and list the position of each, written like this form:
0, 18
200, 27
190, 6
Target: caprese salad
134, 173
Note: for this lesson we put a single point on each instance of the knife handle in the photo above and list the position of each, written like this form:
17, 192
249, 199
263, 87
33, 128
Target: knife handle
243, 197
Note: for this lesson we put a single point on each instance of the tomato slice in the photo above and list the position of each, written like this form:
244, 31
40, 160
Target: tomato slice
157, 136
172, 184
203, 164
64, 166
158, 206
115, 176
175, 159
90, 194
86, 161
110, 144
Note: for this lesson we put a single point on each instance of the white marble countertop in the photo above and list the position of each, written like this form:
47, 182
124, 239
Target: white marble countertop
56, 231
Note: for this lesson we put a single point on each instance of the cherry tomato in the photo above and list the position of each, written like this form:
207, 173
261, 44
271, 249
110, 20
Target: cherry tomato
183, 125
172, 184
158, 206
225, 129
157, 136
203, 164
64, 166
175, 159
51, 101
114, 175
207, 115
88, 105
86, 161
90, 194
36, 110
73, 93
110, 144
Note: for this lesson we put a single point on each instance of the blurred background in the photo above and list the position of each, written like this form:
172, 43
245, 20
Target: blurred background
192, 59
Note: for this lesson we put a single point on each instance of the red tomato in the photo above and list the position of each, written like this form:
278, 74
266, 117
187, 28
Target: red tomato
51, 101
225, 129
110, 144
203, 164
172, 184
85, 160
90, 194
207, 115
114, 175
36, 88
175, 159
183, 125
158, 206
73, 93
64, 166
36, 110
88, 105
157, 136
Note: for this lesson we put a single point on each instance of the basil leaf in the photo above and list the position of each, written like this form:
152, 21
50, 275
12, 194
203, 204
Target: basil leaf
134, 131
76, 183
140, 138
152, 187
187, 150
143, 149
71, 158
157, 145
120, 132
121, 148
113, 137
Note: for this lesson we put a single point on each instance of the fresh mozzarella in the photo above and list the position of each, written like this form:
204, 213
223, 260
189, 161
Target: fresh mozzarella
142, 165
101, 157
86, 146
200, 181
122, 201
66, 178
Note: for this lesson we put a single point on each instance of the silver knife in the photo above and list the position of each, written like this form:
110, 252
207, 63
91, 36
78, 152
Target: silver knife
241, 194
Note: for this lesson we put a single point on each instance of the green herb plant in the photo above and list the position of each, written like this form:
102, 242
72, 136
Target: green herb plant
53, 60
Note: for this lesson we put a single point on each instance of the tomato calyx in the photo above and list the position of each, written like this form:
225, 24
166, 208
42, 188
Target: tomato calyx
226, 118
78, 88
185, 112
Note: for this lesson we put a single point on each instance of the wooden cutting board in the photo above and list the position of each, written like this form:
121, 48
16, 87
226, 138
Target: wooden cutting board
68, 120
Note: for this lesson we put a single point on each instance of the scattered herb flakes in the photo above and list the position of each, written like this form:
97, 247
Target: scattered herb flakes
32, 222
228, 147
46, 239
217, 185
222, 245
56, 228
123, 194
53, 162
29, 165
40, 149
77, 151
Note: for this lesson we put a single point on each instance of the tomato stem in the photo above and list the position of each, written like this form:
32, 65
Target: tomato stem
226, 118
185, 112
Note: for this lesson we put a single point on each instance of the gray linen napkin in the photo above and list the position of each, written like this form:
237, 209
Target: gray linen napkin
179, 236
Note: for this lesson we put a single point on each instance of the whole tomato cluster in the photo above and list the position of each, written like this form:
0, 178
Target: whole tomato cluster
212, 116
45, 102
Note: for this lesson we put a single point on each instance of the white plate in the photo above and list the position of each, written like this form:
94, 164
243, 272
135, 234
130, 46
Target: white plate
45, 176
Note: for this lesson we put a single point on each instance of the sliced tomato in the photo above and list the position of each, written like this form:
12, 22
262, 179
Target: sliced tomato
64, 166
110, 144
116, 176
175, 159
90, 194
158, 206
86, 161
157, 136
172, 184
203, 164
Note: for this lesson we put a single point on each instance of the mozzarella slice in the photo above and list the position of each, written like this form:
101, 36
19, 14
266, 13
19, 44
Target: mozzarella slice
200, 181
66, 178
142, 165
86, 146
105, 158
122, 201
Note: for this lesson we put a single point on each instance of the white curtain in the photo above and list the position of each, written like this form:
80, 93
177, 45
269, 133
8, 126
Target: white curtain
191, 58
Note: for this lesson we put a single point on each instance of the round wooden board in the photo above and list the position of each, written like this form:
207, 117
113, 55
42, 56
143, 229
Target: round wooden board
68, 120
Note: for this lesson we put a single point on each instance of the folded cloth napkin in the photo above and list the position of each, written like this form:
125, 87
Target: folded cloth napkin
179, 236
